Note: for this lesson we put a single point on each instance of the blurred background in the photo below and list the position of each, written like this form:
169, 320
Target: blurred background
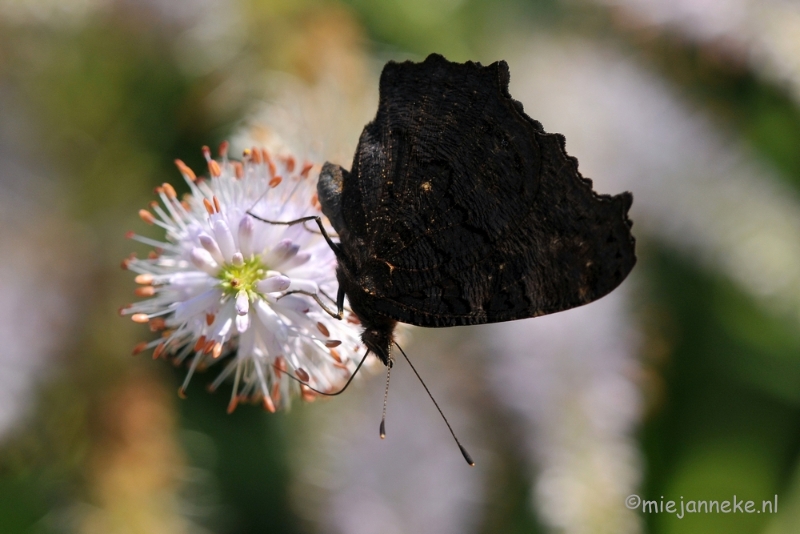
682, 384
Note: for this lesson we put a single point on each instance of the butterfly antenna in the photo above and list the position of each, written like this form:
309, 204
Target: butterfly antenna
324, 392
386, 397
464, 452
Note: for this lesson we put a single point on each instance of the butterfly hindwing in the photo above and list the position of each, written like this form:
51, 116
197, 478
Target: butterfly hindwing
462, 210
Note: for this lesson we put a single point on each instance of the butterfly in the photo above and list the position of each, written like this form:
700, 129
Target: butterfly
459, 209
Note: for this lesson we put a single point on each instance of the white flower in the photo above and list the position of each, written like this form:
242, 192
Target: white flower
223, 286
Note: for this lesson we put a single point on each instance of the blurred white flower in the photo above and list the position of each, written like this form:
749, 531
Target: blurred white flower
568, 379
225, 283
44, 269
39, 299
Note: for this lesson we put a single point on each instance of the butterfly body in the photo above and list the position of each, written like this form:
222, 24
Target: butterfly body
459, 209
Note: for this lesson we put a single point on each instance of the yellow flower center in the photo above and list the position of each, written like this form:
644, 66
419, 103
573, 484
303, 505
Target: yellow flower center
235, 278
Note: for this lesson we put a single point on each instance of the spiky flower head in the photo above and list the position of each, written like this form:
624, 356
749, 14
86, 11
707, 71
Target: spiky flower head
225, 289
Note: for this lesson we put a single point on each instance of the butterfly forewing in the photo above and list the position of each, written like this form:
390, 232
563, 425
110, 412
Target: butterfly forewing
462, 210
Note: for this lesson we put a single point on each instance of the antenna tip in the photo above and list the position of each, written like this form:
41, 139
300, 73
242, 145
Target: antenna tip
466, 455
383, 429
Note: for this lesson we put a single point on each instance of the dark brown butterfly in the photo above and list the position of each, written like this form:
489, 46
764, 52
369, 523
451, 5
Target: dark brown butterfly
460, 209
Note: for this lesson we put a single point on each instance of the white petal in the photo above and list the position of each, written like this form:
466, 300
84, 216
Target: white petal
223, 321
190, 278
238, 259
242, 303
270, 341
210, 244
203, 303
226, 327
224, 239
271, 320
246, 236
282, 252
274, 284
296, 310
247, 340
202, 259
296, 261
296, 304
242, 322
299, 284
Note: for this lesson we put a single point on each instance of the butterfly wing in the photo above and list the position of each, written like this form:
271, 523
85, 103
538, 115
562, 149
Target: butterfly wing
466, 212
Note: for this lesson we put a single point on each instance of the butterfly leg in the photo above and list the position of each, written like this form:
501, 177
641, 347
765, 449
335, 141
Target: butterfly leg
315, 218
322, 305
340, 301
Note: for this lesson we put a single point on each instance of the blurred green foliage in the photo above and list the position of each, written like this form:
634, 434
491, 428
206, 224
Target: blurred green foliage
729, 422
246, 456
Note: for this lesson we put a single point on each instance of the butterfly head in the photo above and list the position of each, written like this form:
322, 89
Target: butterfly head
378, 336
